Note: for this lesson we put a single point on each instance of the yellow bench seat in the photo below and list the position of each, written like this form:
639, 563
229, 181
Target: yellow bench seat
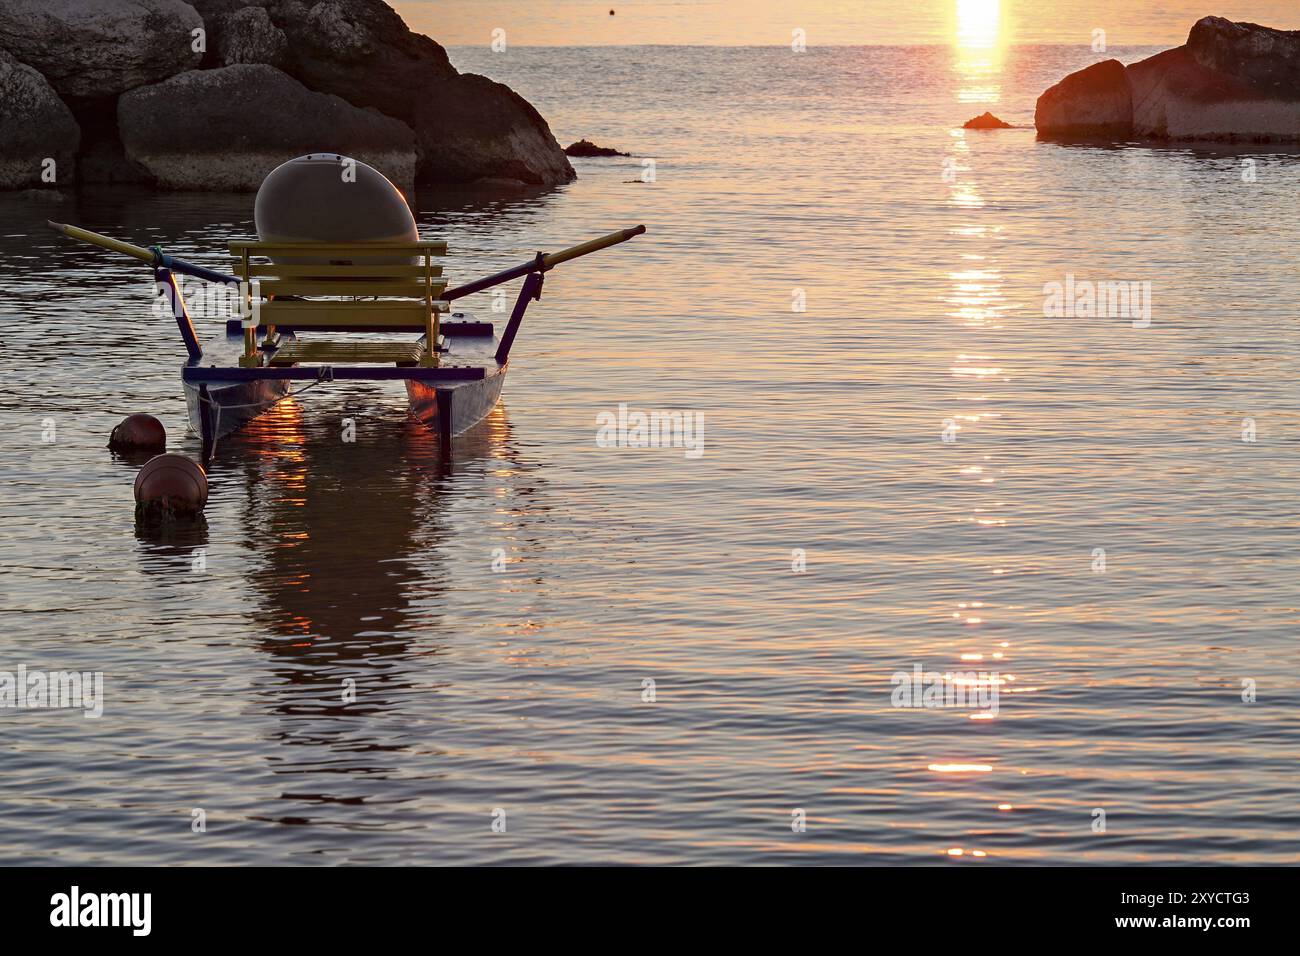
331, 314
334, 353
366, 286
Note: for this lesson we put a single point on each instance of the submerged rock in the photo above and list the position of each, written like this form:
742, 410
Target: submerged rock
36, 128
500, 182
1238, 82
585, 147
985, 120
93, 48
193, 131
40, 195
104, 161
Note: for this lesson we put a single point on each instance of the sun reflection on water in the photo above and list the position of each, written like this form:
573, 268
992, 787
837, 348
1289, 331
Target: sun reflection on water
979, 43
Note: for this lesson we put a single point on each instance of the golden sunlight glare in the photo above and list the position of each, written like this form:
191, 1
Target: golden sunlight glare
979, 24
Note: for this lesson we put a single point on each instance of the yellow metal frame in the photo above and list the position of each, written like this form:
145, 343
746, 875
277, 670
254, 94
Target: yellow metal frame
399, 294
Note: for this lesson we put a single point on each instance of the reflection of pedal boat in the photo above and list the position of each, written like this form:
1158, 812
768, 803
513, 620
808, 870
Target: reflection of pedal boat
323, 283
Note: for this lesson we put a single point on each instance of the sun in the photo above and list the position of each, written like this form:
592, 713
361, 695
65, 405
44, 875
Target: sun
979, 41
979, 24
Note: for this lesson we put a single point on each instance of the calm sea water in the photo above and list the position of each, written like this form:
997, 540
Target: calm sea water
839, 176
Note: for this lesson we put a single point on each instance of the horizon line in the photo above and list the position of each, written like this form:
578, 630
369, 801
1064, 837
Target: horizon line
776, 46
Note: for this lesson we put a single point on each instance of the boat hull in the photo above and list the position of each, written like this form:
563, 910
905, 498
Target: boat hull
449, 410
448, 399
216, 409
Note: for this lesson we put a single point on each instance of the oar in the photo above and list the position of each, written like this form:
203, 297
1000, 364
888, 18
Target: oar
155, 258
543, 262
595, 245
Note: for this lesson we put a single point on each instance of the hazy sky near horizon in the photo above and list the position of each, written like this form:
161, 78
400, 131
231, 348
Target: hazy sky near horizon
852, 22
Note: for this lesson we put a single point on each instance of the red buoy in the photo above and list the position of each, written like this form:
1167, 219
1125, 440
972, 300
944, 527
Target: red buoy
170, 486
138, 432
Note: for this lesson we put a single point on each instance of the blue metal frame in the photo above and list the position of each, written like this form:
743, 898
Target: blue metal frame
444, 400
163, 276
368, 373
538, 264
531, 291
163, 261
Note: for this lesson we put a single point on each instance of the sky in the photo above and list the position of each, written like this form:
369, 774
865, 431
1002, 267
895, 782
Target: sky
840, 22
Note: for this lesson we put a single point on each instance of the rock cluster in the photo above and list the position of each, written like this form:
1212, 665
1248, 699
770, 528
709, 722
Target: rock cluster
1235, 82
985, 120
585, 147
213, 94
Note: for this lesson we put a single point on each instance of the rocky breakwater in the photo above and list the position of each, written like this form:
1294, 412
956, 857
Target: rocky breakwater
1230, 82
213, 94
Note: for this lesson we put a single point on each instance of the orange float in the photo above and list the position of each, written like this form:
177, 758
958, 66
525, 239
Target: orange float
138, 432
171, 486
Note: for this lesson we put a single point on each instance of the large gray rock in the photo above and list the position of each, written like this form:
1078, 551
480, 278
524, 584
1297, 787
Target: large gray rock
474, 128
467, 126
1236, 82
104, 161
1175, 97
226, 129
95, 48
35, 126
1269, 59
214, 8
1093, 102
247, 36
